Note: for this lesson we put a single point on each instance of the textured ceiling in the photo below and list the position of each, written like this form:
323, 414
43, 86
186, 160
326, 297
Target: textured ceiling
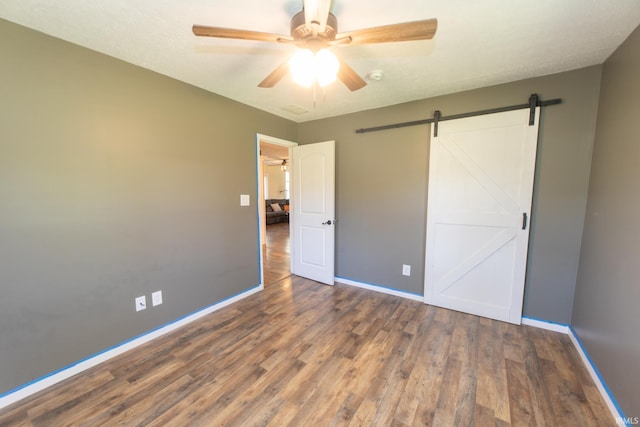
478, 43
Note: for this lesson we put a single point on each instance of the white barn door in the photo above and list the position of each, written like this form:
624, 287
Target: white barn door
481, 173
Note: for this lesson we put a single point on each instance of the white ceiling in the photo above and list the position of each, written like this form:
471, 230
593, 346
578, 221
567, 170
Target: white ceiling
274, 154
478, 43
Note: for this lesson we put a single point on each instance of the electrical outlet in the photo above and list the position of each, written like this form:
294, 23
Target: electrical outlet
141, 303
406, 270
156, 298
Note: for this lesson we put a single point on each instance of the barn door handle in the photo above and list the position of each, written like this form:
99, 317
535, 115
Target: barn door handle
524, 220
329, 222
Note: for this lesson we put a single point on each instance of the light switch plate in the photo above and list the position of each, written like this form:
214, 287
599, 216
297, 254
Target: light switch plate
244, 200
141, 303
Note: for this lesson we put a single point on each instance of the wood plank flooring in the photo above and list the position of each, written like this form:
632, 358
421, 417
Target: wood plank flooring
305, 354
276, 253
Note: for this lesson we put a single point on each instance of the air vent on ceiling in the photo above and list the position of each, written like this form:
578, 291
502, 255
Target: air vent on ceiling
295, 109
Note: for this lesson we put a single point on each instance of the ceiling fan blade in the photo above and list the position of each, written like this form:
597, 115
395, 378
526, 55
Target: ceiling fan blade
350, 78
230, 33
276, 75
406, 31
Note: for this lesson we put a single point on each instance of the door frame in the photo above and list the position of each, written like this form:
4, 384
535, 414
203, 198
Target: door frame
260, 192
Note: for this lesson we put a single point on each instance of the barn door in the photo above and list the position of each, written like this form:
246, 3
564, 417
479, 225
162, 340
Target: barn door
479, 204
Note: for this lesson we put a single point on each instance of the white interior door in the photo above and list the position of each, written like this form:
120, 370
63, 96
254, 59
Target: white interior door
313, 211
481, 173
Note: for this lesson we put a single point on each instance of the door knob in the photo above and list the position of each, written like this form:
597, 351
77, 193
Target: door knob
329, 222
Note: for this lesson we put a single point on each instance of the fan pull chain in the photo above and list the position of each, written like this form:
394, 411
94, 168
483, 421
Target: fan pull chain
315, 89
315, 95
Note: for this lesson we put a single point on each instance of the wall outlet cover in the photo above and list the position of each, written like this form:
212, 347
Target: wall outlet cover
244, 200
406, 270
156, 298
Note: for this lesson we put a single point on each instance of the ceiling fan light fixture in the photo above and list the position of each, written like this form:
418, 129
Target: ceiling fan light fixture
308, 68
315, 28
327, 66
301, 65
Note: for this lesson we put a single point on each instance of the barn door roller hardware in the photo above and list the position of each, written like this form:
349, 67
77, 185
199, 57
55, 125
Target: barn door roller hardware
534, 101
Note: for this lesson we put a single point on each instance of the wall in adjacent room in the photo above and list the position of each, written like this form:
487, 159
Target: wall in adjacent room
114, 182
605, 313
381, 186
277, 182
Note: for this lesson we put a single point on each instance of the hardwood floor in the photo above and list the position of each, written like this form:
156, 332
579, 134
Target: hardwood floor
304, 354
276, 253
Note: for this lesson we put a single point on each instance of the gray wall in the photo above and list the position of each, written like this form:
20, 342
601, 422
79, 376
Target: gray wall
381, 183
605, 313
114, 182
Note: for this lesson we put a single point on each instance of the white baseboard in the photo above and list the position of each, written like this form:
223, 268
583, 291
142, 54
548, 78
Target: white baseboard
588, 363
380, 289
542, 324
67, 372
616, 411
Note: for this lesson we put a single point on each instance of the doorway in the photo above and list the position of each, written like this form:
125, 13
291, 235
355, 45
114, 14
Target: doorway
273, 200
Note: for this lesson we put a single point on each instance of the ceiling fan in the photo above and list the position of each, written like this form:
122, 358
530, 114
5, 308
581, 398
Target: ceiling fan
315, 29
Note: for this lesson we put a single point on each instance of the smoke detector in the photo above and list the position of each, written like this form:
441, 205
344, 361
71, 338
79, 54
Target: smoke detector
375, 75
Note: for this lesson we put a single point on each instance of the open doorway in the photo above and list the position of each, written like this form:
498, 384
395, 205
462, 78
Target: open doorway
274, 201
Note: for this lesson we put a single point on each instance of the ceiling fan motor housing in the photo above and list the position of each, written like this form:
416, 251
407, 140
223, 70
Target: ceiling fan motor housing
300, 32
